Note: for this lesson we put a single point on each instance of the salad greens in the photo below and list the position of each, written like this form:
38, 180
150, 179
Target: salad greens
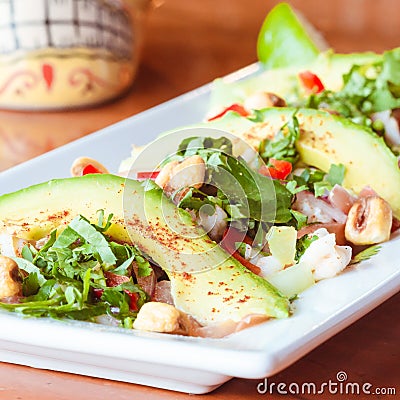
282, 146
367, 89
248, 197
316, 180
68, 276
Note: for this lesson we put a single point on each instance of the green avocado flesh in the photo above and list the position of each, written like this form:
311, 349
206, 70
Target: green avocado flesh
327, 139
206, 283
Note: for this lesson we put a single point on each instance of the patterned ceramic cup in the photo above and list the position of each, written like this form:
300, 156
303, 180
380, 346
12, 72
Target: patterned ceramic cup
67, 53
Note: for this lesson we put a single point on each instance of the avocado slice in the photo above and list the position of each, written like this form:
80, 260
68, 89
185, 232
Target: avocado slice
205, 281
327, 139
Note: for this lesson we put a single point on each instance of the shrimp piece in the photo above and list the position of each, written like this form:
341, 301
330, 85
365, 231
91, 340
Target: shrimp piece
165, 174
325, 257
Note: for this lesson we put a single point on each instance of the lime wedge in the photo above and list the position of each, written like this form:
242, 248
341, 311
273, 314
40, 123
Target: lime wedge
287, 39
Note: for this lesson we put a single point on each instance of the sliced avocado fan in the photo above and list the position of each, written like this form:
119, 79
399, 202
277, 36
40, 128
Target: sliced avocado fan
206, 282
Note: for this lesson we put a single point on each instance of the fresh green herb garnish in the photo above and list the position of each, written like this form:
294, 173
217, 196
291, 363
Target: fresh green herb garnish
366, 89
64, 275
247, 196
365, 254
282, 146
300, 218
195, 145
317, 181
303, 244
334, 177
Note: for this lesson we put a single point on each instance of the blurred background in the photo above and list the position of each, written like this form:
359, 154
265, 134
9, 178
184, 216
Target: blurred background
187, 44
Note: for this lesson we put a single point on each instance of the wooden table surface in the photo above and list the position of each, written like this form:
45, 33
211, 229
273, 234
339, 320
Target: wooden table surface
188, 44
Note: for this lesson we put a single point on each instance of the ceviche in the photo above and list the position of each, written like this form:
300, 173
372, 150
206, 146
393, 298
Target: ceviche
292, 177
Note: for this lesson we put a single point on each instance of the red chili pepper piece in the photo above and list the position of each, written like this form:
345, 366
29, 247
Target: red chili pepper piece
97, 293
113, 280
250, 266
142, 175
234, 107
311, 82
232, 236
134, 297
90, 169
279, 169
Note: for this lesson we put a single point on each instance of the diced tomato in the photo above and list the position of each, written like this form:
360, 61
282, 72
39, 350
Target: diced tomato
279, 169
142, 175
115, 280
232, 236
134, 297
133, 305
311, 82
90, 169
234, 107
97, 293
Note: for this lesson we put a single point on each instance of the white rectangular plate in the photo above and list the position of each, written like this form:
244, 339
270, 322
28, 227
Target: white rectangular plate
193, 365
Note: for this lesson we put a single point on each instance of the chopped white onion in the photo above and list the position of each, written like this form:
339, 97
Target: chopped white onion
392, 131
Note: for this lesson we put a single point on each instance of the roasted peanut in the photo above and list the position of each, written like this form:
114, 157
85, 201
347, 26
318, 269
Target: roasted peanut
260, 100
165, 174
158, 317
10, 280
369, 221
178, 175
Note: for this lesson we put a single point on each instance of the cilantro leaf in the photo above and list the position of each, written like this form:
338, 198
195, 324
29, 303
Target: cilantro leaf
365, 254
64, 273
193, 145
30, 268
30, 284
335, 174
367, 89
303, 244
282, 146
85, 230
317, 181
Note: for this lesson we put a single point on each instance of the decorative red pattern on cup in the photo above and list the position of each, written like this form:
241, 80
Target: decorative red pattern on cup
84, 76
48, 75
29, 79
